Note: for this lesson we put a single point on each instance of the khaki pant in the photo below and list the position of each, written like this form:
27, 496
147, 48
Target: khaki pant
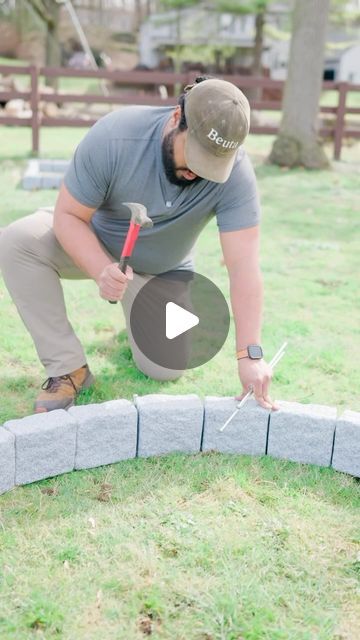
32, 263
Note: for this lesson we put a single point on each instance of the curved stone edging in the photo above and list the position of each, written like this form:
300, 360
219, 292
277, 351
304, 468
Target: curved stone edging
43, 445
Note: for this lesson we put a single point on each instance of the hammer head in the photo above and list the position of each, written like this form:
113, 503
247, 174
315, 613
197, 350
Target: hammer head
139, 214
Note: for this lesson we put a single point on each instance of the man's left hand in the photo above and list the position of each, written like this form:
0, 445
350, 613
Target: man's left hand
256, 374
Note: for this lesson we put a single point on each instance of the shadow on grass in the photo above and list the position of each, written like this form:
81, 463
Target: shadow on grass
265, 481
118, 377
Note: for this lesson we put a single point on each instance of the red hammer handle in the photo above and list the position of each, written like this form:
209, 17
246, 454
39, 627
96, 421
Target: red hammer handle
130, 240
128, 247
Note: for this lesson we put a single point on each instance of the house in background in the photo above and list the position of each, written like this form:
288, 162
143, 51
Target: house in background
200, 26
340, 64
349, 65
196, 26
111, 27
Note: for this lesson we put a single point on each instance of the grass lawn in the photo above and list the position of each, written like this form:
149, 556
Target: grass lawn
206, 547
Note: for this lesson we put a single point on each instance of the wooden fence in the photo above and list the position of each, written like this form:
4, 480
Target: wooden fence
142, 87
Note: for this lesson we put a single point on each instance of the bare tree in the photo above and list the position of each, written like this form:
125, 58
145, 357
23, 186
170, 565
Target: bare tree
48, 12
254, 7
178, 6
297, 142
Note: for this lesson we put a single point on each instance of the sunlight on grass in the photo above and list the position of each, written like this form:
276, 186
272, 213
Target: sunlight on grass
227, 546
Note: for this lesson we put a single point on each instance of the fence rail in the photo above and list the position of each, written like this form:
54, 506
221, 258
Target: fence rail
134, 88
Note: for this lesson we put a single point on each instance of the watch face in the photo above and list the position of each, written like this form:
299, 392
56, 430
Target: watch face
255, 351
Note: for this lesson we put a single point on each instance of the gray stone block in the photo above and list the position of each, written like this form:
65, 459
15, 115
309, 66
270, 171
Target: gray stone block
31, 182
59, 166
50, 180
31, 179
302, 433
346, 455
246, 433
44, 174
44, 445
169, 424
7, 460
106, 433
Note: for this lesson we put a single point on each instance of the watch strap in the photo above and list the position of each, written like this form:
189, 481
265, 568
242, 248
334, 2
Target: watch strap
242, 354
248, 352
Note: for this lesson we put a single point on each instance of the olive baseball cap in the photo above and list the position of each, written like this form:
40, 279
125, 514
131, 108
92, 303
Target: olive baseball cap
218, 118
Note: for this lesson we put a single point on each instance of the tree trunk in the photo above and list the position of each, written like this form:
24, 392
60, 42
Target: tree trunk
256, 67
297, 143
178, 42
138, 15
53, 56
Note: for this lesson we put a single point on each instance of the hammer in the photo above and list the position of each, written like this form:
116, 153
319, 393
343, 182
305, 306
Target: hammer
139, 218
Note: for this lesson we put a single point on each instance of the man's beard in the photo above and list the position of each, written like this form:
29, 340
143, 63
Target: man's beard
167, 150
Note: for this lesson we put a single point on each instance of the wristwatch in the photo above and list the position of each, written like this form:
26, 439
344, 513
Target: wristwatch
252, 351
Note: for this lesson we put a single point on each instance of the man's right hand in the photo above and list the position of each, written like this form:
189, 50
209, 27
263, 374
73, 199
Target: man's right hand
112, 282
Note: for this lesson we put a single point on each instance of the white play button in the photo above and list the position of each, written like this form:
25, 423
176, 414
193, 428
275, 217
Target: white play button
178, 320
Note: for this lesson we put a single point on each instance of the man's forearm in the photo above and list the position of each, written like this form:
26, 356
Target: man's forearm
79, 241
246, 293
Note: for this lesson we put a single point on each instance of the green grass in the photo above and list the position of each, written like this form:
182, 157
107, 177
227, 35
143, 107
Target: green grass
205, 547
331, 98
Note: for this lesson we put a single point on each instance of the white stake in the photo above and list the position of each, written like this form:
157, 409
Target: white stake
272, 363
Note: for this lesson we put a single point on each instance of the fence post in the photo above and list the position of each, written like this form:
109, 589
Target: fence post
340, 119
34, 102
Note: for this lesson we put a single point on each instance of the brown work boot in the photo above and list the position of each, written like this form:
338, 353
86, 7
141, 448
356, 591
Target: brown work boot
60, 392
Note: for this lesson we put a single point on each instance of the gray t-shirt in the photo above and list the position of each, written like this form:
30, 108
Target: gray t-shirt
119, 160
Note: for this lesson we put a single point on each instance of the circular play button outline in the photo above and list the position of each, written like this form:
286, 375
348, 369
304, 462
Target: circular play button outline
197, 334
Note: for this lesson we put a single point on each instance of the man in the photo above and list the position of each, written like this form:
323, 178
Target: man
184, 164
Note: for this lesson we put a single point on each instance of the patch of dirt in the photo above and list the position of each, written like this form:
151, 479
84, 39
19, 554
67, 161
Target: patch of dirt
38, 624
92, 616
146, 625
50, 491
104, 494
331, 284
221, 490
349, 626
148, 622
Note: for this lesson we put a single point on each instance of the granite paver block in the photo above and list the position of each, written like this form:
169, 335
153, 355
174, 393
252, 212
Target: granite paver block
58, 166
31, 176
346, 455
302, 433
31, 182
107, 433
50, 180
44, 445
7, 460
246, 433
169, 424
44, 174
